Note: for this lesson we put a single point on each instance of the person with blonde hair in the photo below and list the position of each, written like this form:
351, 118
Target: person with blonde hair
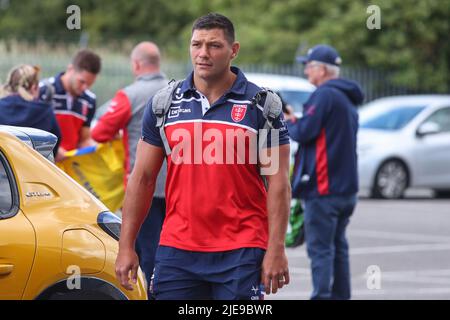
19, 105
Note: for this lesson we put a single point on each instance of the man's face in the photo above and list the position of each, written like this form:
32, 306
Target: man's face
80, 81
315, 72
211, 53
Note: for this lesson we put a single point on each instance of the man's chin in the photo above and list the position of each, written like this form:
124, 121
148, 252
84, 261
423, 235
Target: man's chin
204, 75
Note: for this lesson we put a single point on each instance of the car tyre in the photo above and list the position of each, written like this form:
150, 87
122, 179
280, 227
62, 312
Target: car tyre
443, 194
79, 295
391, 180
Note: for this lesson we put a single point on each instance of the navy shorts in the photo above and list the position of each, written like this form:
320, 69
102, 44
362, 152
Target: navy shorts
227, 275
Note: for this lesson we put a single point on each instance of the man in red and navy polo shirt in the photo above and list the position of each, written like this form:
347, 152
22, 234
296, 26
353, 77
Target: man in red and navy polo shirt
73, 104
224, 231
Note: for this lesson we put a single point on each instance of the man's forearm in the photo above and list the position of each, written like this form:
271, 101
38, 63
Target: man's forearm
138, 199
278, 207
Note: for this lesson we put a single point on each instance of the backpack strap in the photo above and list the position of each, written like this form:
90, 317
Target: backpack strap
161, 103
271, 109
49, 90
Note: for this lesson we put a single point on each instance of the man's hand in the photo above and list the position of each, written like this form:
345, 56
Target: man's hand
60, 154
127, 265
135, 208
288, 113
275, 271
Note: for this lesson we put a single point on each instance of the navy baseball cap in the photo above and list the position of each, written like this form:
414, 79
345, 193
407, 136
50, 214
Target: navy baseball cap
322, 53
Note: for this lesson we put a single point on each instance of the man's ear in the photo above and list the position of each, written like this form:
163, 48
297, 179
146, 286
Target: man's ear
235, 49
70, 68
135, 65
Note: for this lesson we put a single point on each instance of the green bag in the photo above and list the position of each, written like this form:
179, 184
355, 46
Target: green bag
296, 232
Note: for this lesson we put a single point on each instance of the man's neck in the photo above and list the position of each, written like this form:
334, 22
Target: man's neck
214, 89
325, 79
147, 71
65, 83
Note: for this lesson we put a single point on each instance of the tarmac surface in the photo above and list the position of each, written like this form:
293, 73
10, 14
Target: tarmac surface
398, 250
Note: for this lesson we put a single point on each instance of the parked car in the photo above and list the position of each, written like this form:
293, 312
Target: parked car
57, 241
294, 91
404, 142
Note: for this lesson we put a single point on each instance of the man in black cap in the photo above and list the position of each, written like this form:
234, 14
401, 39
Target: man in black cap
326, 178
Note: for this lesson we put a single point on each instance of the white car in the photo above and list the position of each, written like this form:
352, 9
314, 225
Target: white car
404, 142
294, 91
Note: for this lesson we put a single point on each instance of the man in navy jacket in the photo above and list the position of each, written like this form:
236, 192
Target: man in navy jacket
326, 178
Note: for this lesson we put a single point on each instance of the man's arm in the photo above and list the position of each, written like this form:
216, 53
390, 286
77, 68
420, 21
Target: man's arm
115, 118
307, 128
275, 264
138, 198
85, 138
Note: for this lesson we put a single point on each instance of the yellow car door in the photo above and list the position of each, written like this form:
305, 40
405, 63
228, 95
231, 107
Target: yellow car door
17, 238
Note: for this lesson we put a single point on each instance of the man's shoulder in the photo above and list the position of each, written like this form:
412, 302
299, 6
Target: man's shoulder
148, 87
47, 87
47, 81
324, 89
89, 95
252, 89
321, 95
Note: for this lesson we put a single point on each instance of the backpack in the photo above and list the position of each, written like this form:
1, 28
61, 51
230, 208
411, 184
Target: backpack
49, 91
295, 235
162, 101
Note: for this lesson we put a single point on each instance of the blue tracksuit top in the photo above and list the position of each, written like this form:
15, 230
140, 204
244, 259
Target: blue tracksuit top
16, 111
326, 163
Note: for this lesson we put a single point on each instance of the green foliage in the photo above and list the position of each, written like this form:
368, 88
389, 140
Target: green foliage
413, 42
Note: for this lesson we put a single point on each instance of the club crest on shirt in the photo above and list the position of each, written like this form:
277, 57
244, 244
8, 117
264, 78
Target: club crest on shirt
238, 112
84, 109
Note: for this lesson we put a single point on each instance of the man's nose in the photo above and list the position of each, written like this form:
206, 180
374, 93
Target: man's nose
203, 51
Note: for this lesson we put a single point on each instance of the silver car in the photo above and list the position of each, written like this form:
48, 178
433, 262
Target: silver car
404, 142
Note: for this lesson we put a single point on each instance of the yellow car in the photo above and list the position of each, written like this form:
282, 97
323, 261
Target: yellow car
57, 241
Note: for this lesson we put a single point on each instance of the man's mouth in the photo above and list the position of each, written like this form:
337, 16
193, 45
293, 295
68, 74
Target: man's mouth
204, 65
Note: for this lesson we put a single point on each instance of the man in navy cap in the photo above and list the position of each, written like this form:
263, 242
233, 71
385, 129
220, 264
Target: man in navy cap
326, 178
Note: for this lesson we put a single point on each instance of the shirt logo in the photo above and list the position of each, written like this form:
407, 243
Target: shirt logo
238, 112
174, 112
84, 109
311, 110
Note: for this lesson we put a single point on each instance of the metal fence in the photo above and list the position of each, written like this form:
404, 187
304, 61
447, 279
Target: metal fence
116, 71
375, 83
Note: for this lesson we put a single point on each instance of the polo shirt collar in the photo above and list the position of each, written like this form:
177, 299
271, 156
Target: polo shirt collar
239, 86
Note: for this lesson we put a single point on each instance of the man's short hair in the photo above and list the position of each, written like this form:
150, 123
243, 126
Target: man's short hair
87, 60
215, 21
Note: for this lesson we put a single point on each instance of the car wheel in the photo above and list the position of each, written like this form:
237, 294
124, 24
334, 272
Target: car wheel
79, 295
442, 194
391, 180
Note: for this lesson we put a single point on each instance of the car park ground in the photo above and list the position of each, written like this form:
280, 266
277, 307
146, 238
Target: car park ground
407, 241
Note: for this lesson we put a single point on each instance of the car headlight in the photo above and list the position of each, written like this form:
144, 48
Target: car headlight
110, 223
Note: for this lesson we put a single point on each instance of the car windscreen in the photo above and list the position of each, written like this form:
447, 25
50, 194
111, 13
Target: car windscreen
391, 119
295, 98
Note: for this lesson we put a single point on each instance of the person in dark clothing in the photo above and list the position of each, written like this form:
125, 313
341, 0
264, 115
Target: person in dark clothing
326, 178
19, 105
